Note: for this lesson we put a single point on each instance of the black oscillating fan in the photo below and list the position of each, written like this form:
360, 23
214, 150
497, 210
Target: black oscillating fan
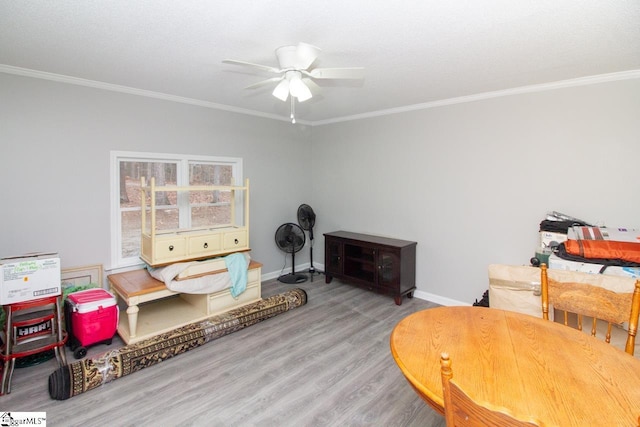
307, 219
290, 238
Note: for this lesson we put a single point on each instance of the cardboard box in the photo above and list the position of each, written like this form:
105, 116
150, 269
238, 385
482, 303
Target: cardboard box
28, 277
515, 288
558, 263
548, 237
629, 235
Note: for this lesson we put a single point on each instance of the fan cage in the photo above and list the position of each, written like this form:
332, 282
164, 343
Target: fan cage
291, 238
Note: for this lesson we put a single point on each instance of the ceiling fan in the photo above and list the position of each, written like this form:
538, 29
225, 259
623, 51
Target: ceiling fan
295, 76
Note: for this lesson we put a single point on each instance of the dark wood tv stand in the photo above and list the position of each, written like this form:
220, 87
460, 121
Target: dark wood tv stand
376, 263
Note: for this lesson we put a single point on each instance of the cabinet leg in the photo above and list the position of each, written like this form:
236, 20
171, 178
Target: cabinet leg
132, 315
327, 278
398, 300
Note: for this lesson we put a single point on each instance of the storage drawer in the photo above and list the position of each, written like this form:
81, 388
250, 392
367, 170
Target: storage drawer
170, 248
201, 245
235, 240
223, 301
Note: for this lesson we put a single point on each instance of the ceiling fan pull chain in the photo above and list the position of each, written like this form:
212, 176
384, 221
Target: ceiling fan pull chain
293, 110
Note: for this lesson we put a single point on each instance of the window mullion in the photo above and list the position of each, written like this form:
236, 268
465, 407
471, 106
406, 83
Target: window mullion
184, 209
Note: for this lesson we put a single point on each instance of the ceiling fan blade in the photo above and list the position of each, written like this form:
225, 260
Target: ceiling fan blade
251, 64
306, 54
337, 73
313, 86
264, 82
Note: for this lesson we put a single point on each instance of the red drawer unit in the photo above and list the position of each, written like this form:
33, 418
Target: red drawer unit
31, 327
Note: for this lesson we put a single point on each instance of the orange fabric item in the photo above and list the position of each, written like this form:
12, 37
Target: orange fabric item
604, 249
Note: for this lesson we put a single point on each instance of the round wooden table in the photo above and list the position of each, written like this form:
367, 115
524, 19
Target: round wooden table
532, 367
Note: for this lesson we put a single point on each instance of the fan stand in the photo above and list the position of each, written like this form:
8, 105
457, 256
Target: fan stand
293, 277
312, 269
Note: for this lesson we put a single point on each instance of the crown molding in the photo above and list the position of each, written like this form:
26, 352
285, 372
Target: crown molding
9, 69
582, 81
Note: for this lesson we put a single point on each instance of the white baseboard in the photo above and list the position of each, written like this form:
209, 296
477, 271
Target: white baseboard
437, 298
303, 268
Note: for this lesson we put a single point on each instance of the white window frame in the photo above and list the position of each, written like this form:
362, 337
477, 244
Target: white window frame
182, 173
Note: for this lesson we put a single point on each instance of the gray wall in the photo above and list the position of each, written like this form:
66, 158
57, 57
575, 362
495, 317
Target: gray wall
471, 182
56, 139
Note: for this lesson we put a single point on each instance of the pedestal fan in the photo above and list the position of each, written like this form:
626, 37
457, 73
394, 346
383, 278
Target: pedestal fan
291, 238
307, 219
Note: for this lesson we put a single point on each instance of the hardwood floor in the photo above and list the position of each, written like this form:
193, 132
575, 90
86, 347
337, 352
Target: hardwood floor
327, 363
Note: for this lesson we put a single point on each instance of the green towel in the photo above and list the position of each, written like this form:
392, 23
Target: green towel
237, 265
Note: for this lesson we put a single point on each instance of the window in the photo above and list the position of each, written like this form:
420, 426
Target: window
175, 210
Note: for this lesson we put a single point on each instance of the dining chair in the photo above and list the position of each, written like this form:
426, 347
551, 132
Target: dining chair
584, 299
460, 410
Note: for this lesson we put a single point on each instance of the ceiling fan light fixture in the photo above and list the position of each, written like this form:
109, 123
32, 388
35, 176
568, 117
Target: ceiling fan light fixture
282, 90
298, 89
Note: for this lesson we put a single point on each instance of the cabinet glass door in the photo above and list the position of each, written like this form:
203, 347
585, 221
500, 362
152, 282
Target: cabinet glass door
388, 268
333, 257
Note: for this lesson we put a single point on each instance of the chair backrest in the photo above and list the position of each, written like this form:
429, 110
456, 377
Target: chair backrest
595, 302
460, 410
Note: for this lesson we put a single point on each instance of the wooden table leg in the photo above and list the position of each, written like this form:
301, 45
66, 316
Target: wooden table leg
132, 309
132, 316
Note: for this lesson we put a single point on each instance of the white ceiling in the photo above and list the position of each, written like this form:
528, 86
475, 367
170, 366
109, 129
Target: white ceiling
414, 51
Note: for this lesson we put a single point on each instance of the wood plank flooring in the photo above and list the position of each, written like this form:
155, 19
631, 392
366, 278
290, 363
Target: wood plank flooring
327, 363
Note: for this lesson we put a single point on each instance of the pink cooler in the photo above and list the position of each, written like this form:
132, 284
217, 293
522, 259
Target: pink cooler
93, 318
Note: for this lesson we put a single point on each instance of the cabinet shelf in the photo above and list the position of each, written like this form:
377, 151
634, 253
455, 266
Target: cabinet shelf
37, 345
359, 261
